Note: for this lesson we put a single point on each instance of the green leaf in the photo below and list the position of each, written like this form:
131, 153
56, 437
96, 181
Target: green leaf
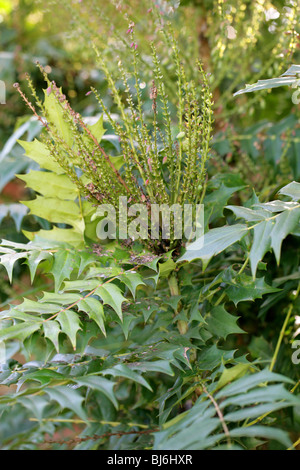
258, 395
38, 152
122, 370
286, 222
292, 190
97, 129
34, 259
112, 296
35, 404
50, 184
96, 272
57, 211
81, 285
245, 288
132, 281
55, 115
51, 331
9, 260
59, 299
14, 313
101, 385
44, 377
216, 201
65, 235
67, 398
246, 213
167, 267
261, 243
94, 309
221, 323
267, 84
213, 242
70, 324
20, 331
65, 261
37, 307
250, 381
263, 431
162, 367
270, 230
232, 373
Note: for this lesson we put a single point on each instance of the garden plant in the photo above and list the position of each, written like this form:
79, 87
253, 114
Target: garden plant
119, 331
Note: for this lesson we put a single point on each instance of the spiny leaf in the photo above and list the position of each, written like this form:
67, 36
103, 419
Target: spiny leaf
97, 129
122, 370
246, 288
35, 404
257, 395
246, 213
50, 184
267, 84
292, 190
112, 296
20, 331
65, 261
9, 260
94, 309
221, 323
51, 297
51, 331
153, 366
132, 281
70, 324
34, 259
263, 431
57, 211
16, 314
66, 235
286, 223
99, 383
214, 242
261, 243
217, 200
37, 307
81, 285
38, 152
55, 114
44, 377
67, 398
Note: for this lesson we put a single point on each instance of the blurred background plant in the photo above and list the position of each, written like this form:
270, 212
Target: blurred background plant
256, 140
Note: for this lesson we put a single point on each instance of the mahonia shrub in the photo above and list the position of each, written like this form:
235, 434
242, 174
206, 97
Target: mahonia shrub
139, 344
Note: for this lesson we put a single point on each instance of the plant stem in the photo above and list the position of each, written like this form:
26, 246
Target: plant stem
220, 415
274, 358
294, 445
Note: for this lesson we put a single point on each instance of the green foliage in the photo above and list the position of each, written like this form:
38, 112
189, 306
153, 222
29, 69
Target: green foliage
290, 78
199, 429
269, 223
85, 343
135, 345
